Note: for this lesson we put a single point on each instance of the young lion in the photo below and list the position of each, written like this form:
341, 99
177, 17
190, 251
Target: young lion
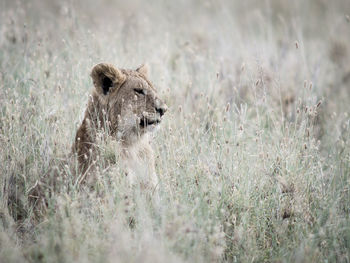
124, 103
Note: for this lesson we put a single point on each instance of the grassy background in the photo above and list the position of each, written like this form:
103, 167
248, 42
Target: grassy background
253, 155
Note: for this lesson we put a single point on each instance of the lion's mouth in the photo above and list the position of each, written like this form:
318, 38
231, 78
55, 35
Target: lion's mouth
144, 122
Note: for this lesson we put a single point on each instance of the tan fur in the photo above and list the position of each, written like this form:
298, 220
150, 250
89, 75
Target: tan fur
121, 105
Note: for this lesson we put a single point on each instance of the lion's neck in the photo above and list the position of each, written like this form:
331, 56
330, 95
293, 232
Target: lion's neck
138, 161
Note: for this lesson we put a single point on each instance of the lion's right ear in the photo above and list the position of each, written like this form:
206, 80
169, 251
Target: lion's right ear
106, 78
143, 69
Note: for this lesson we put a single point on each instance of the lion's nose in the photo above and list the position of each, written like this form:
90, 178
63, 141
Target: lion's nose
162, 109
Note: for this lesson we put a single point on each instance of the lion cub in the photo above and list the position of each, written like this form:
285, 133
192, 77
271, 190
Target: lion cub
124, 103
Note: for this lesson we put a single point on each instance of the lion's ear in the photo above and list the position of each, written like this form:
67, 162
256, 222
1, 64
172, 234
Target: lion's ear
106, 78
143, 69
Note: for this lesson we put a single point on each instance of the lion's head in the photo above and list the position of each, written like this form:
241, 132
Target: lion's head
130, 102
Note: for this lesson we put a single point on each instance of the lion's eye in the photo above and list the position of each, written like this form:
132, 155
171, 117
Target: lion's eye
139, 91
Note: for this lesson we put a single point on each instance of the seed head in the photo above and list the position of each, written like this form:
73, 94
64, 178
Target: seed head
227, 107
296, 44
242, 67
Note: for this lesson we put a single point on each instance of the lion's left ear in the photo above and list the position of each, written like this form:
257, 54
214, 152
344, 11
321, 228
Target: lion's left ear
143, 69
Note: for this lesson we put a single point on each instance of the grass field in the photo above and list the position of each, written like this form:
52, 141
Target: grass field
253, 155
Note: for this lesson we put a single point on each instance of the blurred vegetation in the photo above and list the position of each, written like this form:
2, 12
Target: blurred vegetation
253, 156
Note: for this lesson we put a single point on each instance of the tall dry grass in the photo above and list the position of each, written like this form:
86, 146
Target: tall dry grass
253, 156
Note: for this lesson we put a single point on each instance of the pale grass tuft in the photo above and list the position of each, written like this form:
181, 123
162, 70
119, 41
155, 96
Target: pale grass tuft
252, 157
